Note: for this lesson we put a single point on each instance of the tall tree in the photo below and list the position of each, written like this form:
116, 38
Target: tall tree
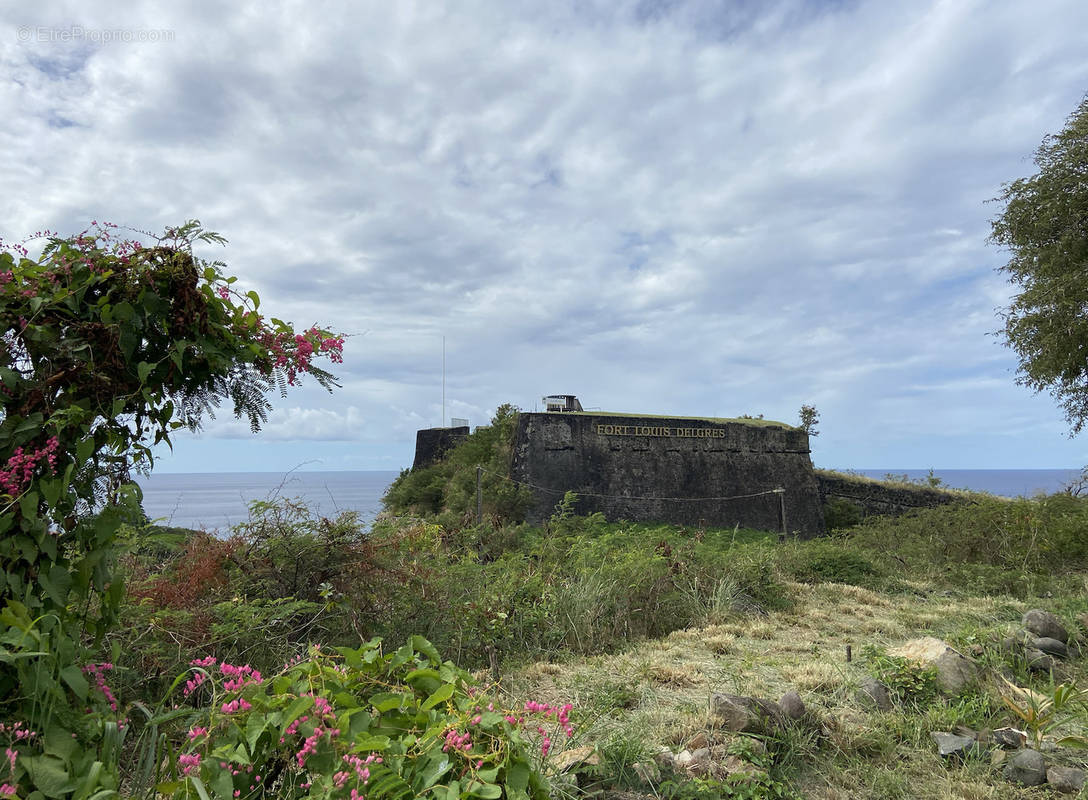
1044, 226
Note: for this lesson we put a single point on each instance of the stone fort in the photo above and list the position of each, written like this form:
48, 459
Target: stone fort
698, 471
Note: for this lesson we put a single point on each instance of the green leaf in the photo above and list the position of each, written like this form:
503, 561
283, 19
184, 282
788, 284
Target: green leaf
517, 776
255, 726
50, 490
222, 784
73, 676
143, 369
48, 774
91, 780
488, 791
28, 503
385, 701
443, 693
295, 710
421, 645
437, 766
365, 743
58, 739
199, 786
84, 449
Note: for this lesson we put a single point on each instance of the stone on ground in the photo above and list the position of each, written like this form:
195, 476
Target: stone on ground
952, 745
874, 693
1053, 647
1067, 780
1027, 768
745, 714
792, 705
954, 670
1043, 623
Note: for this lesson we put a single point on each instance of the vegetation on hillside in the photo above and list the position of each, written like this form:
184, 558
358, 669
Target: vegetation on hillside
634, 624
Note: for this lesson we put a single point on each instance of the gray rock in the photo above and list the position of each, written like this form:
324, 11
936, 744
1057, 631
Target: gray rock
951, 745
1068, 780
1043, 623
1015, 644
792, 705
873, 693
745, 714
1038, 661
1009, 738
1026, 768
647, 772
954, 670
1053, 647
700, 763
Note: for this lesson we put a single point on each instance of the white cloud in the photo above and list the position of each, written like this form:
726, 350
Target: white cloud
684, 207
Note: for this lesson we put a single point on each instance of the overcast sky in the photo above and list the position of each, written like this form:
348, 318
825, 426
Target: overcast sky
676, 208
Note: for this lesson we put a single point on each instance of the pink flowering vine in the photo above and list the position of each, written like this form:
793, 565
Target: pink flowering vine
20, 467
97, 673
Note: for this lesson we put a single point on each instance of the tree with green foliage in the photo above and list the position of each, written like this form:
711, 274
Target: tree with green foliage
807, 419
108, 345
1044, 225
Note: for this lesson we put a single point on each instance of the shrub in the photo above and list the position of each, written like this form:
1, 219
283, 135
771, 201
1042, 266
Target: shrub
450, 484
821, 561
359, 721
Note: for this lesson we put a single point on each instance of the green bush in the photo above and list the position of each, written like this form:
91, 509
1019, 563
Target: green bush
450, 484
991, 544
841, 513
820, 561
392, 726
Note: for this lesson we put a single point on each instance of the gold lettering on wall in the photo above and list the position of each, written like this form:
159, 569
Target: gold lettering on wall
660, 431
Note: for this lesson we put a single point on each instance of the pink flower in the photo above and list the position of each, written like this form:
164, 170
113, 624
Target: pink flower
189, 763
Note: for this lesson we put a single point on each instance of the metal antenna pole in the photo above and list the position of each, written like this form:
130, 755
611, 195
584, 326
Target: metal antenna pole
443, 381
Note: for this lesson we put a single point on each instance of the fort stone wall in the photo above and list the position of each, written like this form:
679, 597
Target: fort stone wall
682, 470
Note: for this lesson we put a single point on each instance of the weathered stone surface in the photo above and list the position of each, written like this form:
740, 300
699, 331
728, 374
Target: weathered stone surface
1037, 660
664, 758
433, 443
954, 670
792, 705
1043, 623
647, 772
697, 741
745, 714
1052, 647
1026, 768
1068, 780
873, 693
617, 462
1010, 738
879, 497
577, 755
952, 745
700, 763
734, 765
1014, 644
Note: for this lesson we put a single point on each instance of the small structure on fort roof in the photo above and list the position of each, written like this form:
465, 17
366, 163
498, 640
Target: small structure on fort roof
561, 403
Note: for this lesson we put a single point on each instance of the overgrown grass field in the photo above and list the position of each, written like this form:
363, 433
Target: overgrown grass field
636, 625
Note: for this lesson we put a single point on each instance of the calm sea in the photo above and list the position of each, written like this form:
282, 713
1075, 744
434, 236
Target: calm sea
220, 500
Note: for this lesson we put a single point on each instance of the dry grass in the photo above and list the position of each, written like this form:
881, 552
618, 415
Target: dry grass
660, 690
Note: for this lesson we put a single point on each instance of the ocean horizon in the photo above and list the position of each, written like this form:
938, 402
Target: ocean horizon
220, 500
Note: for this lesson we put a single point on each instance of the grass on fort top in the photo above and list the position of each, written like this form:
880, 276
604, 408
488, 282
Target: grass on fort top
757, 421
